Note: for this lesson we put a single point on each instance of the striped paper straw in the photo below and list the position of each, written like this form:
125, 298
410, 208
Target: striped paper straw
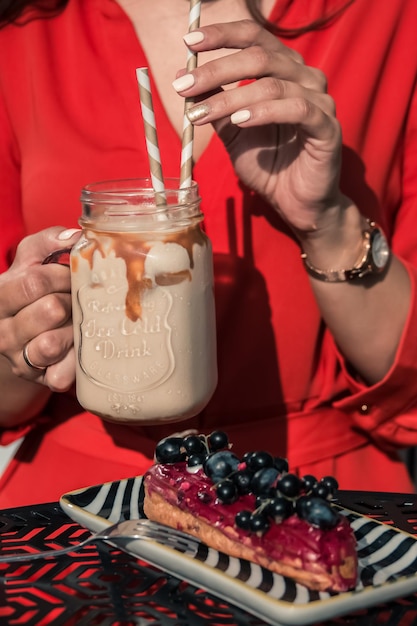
152, 145
188, 129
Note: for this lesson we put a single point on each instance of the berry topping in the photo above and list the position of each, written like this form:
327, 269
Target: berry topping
281, 465
263, 480
226, 491
246, 457
317, 512
194, 445
217, 440
242, 519
331, 483
258, 478
289, 485
169, 450
220, 464
259, 460
309, 482
242, 479
196, 460
279, 509
322, 491
258, 523
205, 497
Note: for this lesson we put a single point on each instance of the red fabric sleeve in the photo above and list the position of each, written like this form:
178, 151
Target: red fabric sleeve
388, 410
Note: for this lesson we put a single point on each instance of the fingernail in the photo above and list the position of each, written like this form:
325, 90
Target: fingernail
67, 234
183, 82
197, 112
240, 116
194, 37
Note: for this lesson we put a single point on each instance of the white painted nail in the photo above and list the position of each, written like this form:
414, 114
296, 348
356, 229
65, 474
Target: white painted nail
67, 234
183, 82
240, 116
194, 37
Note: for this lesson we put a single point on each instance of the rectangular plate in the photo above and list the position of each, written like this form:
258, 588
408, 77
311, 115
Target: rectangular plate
387, 562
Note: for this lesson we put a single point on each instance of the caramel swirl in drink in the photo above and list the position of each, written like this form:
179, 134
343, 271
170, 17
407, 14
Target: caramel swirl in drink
143, 305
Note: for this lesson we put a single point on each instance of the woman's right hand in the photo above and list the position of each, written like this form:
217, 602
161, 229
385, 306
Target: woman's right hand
35, 311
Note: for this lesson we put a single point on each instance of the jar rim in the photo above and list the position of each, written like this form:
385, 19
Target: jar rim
136, 198
131, 187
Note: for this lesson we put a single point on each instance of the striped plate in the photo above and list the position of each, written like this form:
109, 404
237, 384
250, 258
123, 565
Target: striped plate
387, 562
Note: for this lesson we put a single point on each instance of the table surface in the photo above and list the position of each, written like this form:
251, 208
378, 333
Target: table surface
102, 586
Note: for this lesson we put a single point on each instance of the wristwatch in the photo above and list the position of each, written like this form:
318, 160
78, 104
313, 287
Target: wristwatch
374, 259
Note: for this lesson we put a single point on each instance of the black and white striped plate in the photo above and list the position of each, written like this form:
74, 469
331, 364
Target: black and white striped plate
387, 562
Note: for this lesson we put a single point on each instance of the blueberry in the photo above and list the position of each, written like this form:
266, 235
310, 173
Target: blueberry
309, 482
322, 491
242, 479
259, 460
281, 464
317, 512
331, 483
196, 459
226, 491
242, 519
258, 523
168, 450
289, 485
217, 440
301, 505
193, 444
263, 480
220, 464
279, 509
247, 456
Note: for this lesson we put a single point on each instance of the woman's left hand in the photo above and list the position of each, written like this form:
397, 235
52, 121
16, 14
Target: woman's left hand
280, 128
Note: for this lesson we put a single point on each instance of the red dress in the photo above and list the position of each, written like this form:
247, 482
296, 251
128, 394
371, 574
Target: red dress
70, 115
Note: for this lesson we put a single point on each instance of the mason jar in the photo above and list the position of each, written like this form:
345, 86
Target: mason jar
143, 303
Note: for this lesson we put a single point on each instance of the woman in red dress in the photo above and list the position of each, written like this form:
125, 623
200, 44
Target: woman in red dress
305, 134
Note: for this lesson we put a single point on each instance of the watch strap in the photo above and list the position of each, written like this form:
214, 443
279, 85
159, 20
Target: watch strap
361, 268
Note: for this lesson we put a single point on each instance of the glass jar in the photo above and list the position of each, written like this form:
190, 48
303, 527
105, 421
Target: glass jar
143, 303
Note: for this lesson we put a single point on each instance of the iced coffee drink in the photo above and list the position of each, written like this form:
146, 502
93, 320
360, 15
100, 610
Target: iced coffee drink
143, 304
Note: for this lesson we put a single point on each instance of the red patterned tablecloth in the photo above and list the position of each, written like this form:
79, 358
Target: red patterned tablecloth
103, 586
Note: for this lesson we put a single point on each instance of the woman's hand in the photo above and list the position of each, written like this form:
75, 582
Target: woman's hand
35, 312
284, 140
280, 129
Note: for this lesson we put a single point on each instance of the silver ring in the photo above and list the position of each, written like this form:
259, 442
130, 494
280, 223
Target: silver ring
29, 362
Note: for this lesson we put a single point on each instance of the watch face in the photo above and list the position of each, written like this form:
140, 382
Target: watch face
380, 250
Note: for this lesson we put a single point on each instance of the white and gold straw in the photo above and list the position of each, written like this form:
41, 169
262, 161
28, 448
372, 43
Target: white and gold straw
152, 144
188, 129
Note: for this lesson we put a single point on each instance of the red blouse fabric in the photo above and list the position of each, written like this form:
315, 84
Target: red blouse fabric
70, 115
